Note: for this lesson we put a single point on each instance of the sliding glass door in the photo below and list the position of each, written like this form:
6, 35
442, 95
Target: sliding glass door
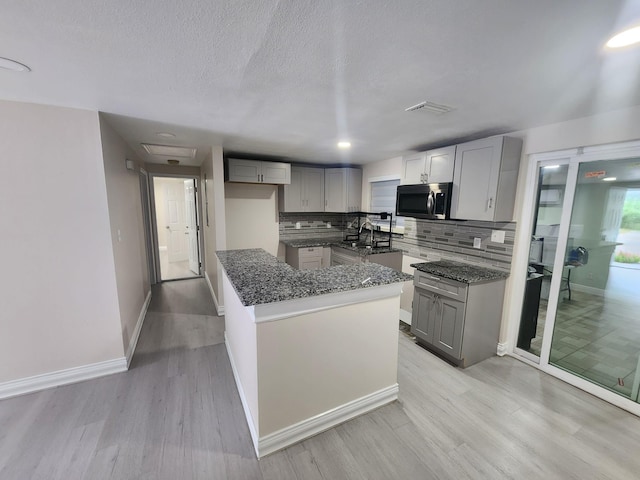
596, 332
580, 315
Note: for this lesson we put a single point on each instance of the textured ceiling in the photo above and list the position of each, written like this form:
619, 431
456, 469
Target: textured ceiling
290, 78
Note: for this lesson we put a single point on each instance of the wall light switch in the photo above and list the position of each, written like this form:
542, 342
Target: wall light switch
477, 242
328, 224
497, 236
297, 225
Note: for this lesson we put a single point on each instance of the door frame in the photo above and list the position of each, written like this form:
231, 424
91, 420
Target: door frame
154, 222
573, 157
147, 215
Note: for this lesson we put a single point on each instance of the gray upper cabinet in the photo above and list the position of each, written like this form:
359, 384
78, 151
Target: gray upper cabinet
256, 171
342, 189
433, 166
484, 180
305, 193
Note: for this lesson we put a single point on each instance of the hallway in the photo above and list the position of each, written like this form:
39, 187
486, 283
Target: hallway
176, 414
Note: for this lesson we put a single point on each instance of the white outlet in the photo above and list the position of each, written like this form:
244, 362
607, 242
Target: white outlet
477, 242
328, 224
297, 225
497, 236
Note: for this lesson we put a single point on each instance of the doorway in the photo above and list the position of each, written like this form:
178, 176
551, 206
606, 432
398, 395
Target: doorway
177, 227
585, 233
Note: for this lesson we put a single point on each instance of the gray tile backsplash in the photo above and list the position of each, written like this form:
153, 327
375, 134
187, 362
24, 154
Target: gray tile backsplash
426, 239
312, 225
453, 240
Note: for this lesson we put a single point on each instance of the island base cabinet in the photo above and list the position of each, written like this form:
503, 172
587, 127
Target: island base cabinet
457, 322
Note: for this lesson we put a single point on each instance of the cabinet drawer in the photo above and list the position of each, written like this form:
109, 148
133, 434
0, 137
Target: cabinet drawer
442, 286
305, 252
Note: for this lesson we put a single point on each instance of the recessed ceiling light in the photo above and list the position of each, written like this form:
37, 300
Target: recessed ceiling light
551, 167
8, 64
609, 179
625, 38
344, 144
165, 135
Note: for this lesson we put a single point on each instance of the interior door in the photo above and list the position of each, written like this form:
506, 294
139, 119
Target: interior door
177, 245
192, 225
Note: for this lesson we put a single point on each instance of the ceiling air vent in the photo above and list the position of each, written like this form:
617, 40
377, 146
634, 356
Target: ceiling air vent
430, 106
169, 150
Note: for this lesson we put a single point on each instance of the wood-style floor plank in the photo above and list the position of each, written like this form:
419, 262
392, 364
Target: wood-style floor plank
177, 414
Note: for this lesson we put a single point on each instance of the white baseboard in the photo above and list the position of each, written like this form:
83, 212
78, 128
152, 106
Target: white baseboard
219, 308
312, 426
503, 348
405, 316
133, 341
243, 398
36, 383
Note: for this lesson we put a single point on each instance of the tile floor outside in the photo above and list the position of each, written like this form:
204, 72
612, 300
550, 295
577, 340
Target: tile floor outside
595, 337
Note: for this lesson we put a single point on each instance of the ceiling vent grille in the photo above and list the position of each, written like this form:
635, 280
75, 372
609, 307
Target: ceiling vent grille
429, 106
169, 150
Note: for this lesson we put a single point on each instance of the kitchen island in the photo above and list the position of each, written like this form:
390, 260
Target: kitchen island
309, 348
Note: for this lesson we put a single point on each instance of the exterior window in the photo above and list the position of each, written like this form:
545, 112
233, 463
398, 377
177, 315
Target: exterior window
383, 199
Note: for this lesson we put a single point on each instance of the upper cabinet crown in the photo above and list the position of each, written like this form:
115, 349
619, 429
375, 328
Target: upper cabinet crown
485, 177
305, 193
433, 166
256, 171
342, 189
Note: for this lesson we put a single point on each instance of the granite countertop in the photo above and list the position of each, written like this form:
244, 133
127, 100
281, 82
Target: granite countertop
259, 277
338, 242
461, 272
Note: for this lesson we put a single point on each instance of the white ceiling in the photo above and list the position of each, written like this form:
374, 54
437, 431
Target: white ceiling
290, 78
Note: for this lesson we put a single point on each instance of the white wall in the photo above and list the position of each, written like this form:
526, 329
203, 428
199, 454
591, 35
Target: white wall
125, 214
58, 294
215, 231
251, 212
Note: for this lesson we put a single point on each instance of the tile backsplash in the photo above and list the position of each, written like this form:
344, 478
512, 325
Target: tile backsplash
453, 240
426, 239
312, 225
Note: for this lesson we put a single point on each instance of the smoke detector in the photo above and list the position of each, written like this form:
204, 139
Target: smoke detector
429, 106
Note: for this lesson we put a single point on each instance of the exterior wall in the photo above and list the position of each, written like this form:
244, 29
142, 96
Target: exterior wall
127, 231
58, 293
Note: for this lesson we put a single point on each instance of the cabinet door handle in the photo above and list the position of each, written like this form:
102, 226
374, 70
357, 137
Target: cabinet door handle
489, 203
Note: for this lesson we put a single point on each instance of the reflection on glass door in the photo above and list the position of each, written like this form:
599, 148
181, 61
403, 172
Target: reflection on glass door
596, 332
552, 181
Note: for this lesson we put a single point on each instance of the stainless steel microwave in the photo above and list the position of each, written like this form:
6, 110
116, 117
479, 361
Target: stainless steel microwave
429, 200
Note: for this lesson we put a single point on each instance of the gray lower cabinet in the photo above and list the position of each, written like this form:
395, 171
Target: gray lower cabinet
457, 320
307, 258
343, 256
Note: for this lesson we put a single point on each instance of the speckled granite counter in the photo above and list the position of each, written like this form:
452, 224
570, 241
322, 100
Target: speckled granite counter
461, 272
260, 278
338, 242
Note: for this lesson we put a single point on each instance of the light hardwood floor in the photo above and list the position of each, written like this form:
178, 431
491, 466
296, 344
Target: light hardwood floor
177, 415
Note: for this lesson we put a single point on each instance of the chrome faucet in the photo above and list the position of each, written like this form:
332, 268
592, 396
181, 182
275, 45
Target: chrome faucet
367, 221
